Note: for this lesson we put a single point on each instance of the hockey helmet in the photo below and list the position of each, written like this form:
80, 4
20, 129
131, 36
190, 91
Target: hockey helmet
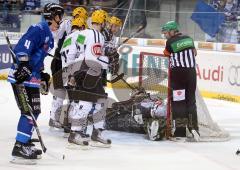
51, 10
169, 26
99, 17
106, 14
81, 12
79, 22
115, 21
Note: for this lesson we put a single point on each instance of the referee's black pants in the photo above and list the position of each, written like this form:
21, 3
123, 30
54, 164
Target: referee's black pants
183, 100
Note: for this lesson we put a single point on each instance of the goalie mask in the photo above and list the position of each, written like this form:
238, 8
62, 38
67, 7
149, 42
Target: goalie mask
159, 109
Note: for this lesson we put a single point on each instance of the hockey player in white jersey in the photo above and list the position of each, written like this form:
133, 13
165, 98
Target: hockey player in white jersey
56, 66
89, 83
113, 26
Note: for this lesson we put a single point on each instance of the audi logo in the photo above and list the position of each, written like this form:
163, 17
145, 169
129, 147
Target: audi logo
234, 75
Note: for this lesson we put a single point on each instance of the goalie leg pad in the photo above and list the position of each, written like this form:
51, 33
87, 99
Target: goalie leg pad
152, 130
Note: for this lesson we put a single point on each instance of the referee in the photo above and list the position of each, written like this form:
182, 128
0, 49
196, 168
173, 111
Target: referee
181, 50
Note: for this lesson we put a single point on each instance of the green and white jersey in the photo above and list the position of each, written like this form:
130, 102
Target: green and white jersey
87, 44
71, 48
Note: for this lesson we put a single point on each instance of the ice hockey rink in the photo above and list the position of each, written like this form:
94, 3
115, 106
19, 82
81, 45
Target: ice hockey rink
128, 151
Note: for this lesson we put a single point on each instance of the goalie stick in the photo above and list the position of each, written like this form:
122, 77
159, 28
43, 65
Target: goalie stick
23, 90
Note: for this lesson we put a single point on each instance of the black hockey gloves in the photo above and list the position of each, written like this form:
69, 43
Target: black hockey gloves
114, 63
44, 89
23, 72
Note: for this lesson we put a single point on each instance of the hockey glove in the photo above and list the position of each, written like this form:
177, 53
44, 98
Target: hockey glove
44, 87
114, 63
71, 82
23, 72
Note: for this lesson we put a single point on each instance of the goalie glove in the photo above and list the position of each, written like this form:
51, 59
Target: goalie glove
23, 72
44, 86
71, 82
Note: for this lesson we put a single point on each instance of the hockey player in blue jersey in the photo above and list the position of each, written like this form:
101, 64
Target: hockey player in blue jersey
30, 52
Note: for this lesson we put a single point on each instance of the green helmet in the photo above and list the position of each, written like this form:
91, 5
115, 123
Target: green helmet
170, 25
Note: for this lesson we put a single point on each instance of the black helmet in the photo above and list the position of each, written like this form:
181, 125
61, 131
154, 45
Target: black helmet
51, 10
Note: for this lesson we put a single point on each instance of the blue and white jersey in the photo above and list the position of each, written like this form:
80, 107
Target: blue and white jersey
35, 44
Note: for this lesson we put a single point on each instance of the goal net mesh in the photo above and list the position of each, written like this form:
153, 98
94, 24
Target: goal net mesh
154, 78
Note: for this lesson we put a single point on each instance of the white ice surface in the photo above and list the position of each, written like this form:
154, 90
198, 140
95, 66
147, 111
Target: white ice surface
128, 151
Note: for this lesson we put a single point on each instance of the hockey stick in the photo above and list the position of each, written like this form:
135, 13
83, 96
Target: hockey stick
125, 21
119, 77
22, 89
129, 85
140, 28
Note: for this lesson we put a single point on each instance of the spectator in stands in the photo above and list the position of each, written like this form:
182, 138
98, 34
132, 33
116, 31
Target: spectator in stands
30, 5
44, 2
228, 32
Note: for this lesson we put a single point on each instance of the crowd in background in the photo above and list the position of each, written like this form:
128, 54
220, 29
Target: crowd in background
11, 12
229, 31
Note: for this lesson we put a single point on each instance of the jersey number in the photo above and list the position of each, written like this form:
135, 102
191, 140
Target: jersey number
27, 44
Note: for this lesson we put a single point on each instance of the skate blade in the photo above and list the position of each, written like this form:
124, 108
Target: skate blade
193, 139
99, 144
51, 128
66, 135
77, 147
178, 139
22, 161
39, 156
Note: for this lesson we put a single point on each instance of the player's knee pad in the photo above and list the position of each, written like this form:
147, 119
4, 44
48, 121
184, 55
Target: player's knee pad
30, 102
79, 113
56, 103
99, 115
59, 93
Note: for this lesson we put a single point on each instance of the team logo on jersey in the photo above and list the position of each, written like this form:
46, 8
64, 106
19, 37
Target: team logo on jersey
179, 95
97, 49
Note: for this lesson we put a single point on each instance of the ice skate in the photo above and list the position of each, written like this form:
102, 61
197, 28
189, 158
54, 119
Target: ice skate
55, 124
23, 154
195, 136
37, 151
98, 141
78, 140
66, 130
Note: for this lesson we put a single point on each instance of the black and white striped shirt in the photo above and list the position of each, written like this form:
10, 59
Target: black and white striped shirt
181, 48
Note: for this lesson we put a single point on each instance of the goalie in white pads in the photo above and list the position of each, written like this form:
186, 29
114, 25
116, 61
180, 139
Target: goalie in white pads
88, 86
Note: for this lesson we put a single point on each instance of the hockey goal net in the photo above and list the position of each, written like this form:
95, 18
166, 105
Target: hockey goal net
154, 76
